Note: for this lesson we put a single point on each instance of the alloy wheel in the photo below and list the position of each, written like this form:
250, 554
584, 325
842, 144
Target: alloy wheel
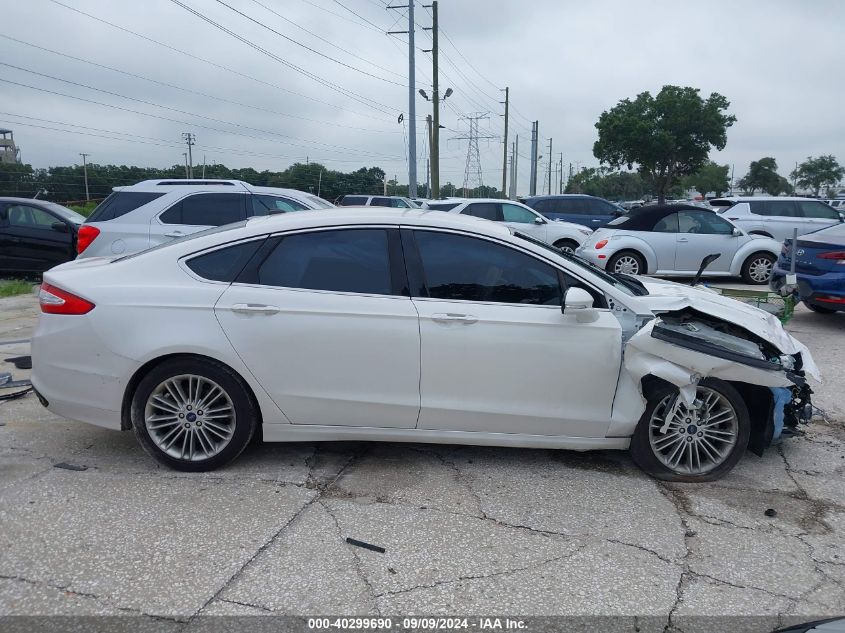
627, 264
190, 417
760, 269
694, 439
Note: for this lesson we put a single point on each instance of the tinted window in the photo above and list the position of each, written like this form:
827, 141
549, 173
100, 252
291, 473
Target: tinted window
206, 209
224, 264
442, 206
781, 208
348, 260
486, 210
24, 216
600, 207
669, 224
814, 209
352, 200
574, 206
381, 202
268, 205
456, 267
120, 203
703, 222
513, 213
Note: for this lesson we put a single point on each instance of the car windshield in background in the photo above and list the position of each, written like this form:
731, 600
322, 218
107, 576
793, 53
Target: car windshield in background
186, 238
319, 203
587, 266
67, 214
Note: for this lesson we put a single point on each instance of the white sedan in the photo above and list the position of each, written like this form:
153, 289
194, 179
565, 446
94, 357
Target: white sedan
417, 326
672, 241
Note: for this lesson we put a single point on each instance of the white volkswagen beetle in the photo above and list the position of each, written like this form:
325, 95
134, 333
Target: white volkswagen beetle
373, 324
672, 240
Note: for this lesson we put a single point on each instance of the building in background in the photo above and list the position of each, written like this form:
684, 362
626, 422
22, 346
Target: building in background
10, 154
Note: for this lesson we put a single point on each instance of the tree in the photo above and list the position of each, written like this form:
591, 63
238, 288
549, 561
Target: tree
815, 173
711, 177
668, 136
618, 185
763, 175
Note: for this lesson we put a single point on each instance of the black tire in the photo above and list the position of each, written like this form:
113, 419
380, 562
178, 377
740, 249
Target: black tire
565, 244
239, 425
815, 307
753, 263
644, 455
632, 255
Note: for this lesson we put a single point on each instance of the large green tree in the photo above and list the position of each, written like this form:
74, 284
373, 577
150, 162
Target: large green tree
611, 185
763, 175
668, 136
711, 177
815, 173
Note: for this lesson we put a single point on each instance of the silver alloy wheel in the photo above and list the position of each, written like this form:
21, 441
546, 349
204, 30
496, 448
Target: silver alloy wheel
627, 264
567, 248
190, 417
760, 269
697, 439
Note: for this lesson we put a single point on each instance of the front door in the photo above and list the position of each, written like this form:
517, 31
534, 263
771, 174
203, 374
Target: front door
497, 354
325, 324
33, 242
702, 233
525, 221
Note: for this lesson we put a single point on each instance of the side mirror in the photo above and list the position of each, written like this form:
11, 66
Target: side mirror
539, 220
61, 227
580, 303
736, 232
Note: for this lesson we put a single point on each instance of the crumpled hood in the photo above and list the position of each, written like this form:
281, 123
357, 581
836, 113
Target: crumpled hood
667, 296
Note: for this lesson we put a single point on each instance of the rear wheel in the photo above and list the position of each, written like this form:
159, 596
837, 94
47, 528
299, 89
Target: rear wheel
567, 246
192, 414
627, 262
702, 442
758, 268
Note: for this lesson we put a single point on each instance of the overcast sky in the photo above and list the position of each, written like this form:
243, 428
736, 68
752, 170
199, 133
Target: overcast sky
779, 63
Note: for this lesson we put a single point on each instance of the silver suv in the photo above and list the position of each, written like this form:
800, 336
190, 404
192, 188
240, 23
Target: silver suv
397, 202
777, 217
151, 212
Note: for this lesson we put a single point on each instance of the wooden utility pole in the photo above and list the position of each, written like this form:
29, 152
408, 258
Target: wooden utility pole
85, 170
435, 99
505, 148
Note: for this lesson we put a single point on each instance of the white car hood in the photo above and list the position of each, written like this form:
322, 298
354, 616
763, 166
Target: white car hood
645, 354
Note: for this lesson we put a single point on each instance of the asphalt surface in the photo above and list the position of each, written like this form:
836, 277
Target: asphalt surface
465, 530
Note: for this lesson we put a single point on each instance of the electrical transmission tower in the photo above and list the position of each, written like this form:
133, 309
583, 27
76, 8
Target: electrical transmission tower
472, 173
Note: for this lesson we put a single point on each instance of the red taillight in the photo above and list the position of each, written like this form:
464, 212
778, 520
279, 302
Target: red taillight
57, 301
86, 235
839, 256
837, 300
600, 244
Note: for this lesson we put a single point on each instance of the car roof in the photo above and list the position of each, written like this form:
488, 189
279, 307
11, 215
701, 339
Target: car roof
27, 200
761, 198
186, 184
644, 218
562, 195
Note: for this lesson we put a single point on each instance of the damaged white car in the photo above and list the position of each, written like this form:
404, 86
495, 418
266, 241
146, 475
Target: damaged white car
414, 326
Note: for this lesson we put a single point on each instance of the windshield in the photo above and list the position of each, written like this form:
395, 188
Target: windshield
319, 203
587, 267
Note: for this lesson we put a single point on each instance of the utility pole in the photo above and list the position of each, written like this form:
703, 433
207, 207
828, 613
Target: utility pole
190, 139
515, 170
532, 188
435, 101
412, 106
428, 123
203, 166
550, 166
319, 182
560, 185
505, 147
185, 154
85, 171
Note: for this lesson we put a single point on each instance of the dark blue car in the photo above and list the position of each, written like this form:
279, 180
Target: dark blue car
820, 268
581, 209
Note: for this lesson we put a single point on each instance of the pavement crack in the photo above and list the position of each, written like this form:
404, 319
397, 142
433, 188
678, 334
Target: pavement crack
643, 549
247, 604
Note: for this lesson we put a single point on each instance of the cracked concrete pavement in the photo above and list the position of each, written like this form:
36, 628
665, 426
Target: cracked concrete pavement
466, 530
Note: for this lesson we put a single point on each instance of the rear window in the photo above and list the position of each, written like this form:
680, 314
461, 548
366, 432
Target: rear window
224, 264
353, 200
120, 203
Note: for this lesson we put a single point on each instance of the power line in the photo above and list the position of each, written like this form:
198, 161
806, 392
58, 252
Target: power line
195, 92
211, 63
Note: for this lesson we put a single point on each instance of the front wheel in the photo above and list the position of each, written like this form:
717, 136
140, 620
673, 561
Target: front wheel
702, 442
627, 262
758, 268
193, 414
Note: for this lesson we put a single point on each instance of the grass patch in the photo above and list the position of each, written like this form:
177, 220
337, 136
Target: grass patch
13, 287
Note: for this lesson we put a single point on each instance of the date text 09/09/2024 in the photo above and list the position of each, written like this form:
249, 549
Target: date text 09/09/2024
417, 623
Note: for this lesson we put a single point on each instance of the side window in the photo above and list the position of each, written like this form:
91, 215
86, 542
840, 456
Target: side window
24, 216
545, 207
669, 224
486, 210
600, 207
346, 260
206, 209
457, 267
574, 206
349, 201
120, 203
703, 222
513, 213
774, 208
224, 264
814, 209
269, 205
380, 202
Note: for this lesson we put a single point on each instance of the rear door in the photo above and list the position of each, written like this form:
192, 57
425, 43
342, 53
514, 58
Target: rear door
196, 212
497, 354
816, 215
778, 218
324, 322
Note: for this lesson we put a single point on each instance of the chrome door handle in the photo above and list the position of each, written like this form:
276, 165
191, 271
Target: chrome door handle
175, 234
254, 308
451, 317
683, 239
